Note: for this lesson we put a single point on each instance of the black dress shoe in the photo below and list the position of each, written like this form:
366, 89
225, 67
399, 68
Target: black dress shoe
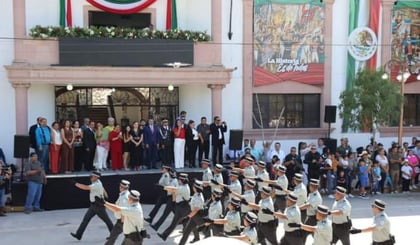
148, 220
75, 236
195, 240
162, 236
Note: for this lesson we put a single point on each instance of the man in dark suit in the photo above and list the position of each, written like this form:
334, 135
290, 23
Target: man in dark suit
151, 143
32, 130
166, 142
217, 130
89, 145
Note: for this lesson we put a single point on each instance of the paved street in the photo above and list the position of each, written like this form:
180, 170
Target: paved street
54, 227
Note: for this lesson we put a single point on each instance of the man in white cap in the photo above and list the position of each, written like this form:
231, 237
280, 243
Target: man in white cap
122, 201
280, 186
322, 229
314, 199
96, 197
381, 225
133, 228
163, 181
301, 192
340, 213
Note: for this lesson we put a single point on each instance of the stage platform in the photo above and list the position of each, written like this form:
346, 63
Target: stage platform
60, 192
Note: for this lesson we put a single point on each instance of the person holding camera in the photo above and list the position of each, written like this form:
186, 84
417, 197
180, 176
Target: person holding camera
217, 130
381, 225
5, 174
133, 228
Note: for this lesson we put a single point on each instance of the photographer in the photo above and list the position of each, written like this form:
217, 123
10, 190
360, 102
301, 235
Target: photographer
5, 174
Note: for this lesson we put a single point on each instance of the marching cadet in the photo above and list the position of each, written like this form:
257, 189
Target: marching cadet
322, 230
280, 185
207, 176
215, 212
96, 197
340, 213
217, 177
122, 201
301, 192
248, 171
170, 200
133, 228
163, 181
182, 206
267, 225
232, 221
248, 196
314, 199
195, 217
292, 235
234, 186
261, 177
381, 225
249, 234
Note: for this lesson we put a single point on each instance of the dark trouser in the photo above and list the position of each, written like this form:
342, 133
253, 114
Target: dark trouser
207, 193
166, 155
232, 233
161, 200
192, 150
280, 203
181, 210
382, 182
267, 231
405, 184
170, 207
389, 242
132, 239
93, 210
203, 148
215, 228
310, 220
303, 215
341, 232
192, 224
217, 153
292, 238
78, 158
115, 232
257, 196
151, 156
89, 156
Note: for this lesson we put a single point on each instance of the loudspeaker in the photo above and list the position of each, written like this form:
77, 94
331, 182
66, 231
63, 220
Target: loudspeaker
235, 139
330, 111
331, 144
21, 146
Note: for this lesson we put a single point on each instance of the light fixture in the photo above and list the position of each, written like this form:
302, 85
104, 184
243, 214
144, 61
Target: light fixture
385, 76
418, 77
69, 87
399, 77
406, 75
112, 90
170, 87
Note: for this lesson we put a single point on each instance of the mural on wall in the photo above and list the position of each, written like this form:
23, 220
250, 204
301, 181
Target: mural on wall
288, 41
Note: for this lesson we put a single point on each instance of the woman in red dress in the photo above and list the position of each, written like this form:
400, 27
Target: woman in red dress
67, 149
116, 147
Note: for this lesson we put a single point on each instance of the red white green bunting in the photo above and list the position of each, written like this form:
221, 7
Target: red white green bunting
121, 6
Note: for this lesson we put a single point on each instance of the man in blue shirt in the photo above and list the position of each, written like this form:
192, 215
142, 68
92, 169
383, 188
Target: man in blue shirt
43, 140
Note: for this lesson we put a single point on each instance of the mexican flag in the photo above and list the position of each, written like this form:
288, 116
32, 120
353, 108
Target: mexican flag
121, 6
65, 13
171, 17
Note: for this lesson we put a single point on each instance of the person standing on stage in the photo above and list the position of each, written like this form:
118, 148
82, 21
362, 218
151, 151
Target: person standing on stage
89, 145
170, 201
381, 225
182, 207
217, 130
43, 140
151, 143
116, 148
163, 181
166, 143
204, 147
96, 197
340, 213
179, 144
314, 199
133, 228
122, 201
280, 185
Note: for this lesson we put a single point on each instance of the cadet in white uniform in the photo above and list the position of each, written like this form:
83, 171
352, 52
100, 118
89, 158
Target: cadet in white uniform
163, 181
381, 228
96, 197
280, 186
314, 199
267, 224
196, 214
232, 221
133, 228
249, 234
207, 176
122, 201
260, 178
301, 192
170, 207
182, 206
340, 213
215, 212
234, 186
248, 171
323, 228
292, 235
248, 196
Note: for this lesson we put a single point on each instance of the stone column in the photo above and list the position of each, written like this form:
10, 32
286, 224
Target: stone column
21, 107
19, 27
216, 99
385, 41
216, 29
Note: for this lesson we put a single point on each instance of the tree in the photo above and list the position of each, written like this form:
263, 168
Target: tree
372, 101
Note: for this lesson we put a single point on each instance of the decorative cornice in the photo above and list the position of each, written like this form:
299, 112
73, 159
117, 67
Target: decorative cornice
21, 85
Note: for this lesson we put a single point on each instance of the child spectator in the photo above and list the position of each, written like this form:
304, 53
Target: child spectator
407, 172
341, 179
376, 176
413, 161
363, 171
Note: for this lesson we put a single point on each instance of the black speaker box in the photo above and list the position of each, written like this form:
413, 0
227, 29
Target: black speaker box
21, 146
330, 111
235, 140
331, 144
